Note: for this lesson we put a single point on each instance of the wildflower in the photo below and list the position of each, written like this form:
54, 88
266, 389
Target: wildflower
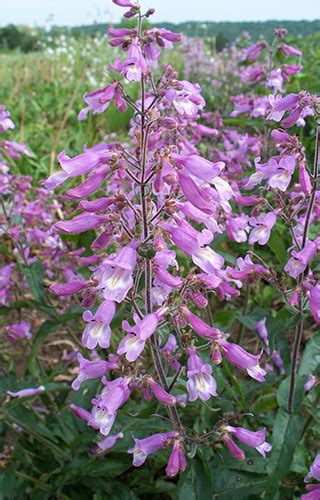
163, 396
177, 460
134, 342
146, 446
262, 226
89, 370
253, 439
24, 393
98, 331
200, 383
242, 359
314, 471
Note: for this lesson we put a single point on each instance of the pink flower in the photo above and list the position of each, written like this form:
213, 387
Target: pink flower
90, 370
109, 441
289, 50
100, 419
262, 226
79, 165
114, 395
314, 471
80, 412
99, 100
115, 273
314, 492
314, 302
134, 342
24, 393
254, 51
65, 289
81, 223
242, 359
191, 242
186, 98
199, 326
234, 449
238, 228
5, 121
161, 395
200, 383
125, 3
98, 331
299, 260
17, 331
177, 460
254, 439
146, 446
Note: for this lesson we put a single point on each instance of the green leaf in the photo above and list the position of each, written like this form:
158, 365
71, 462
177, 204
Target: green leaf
277, 245
195, 482
287, 432
7, 482
311, 356
283, 393
265, 403
34, 274
44, 330
236, 485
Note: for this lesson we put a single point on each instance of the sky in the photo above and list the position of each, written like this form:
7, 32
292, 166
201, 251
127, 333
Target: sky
76, 12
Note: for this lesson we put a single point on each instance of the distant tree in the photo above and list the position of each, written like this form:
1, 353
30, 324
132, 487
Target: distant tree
221, 42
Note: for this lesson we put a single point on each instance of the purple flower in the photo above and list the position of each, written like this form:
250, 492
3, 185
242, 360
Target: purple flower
89, 370
144, 447
314, 471
115, 273
243, 359
18, 331
91, 184
262, 226
191, 242
254, 51
81, 223
311, 382
234, 449
200, 383
98, 331
261, 329
299, 260
24, 393
314, 302
238, 228
109, 441
199, 326
125, 3
289, 50
80, 412
100, 419
199, 167
314, 492
163, 396
304, 179
99, 100
65, 289
254, 439
133, 343
79, 165
5, 121
186, 98
114, 395
177, 460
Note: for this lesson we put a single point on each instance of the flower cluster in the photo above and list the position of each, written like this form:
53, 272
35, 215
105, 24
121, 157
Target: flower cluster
156, 203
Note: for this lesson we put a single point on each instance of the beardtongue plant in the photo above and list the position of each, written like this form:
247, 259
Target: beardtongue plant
158, 194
